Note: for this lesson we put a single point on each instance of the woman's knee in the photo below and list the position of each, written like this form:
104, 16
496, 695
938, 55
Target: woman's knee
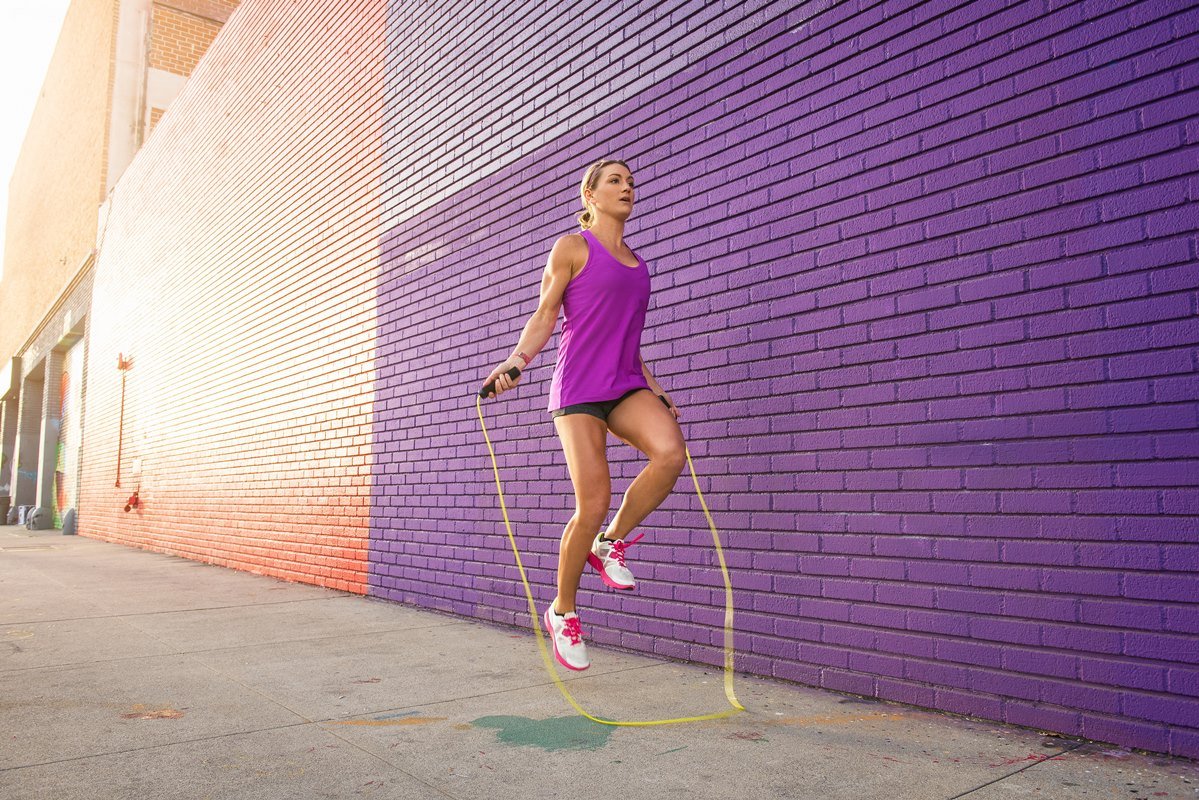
591, 509
672, 457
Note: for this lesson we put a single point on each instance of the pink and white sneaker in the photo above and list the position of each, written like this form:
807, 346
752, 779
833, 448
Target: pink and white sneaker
567, 637
608, 559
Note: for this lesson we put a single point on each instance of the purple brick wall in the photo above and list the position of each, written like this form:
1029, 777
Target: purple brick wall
924, 286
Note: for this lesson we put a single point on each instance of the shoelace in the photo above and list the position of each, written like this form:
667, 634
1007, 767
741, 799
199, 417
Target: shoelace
574, 630
620, 545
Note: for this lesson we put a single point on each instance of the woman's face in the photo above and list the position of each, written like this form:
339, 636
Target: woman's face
613, 194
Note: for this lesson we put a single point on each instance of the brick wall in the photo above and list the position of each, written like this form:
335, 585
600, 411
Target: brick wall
924, 287
155, 116
216, 10
114, 21
178, 39
237, 270
62, 172
51, 223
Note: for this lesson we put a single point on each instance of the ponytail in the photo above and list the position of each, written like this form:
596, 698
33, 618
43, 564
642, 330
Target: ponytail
591, 178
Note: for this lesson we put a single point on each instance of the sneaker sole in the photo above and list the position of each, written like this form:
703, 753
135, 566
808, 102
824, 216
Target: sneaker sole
545, 619
594, 561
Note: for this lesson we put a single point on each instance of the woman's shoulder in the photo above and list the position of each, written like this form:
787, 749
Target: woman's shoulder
573, 248
572, 242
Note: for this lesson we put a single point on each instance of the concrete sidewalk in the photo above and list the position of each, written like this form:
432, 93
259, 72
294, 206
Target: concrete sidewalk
130, 674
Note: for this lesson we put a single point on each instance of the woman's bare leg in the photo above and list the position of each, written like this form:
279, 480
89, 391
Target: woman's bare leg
584, 439
645, 423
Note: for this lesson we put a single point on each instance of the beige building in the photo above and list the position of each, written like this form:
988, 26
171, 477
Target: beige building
116, 68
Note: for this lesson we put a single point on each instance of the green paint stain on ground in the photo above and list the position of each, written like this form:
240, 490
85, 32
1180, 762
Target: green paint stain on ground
555, 733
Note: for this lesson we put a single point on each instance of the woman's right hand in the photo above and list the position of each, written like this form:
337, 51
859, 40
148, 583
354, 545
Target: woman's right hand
500, 375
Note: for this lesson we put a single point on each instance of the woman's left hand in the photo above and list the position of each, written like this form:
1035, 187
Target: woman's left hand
670, 404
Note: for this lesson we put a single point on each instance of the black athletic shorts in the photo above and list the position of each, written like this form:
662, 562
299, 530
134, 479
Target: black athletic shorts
601, 409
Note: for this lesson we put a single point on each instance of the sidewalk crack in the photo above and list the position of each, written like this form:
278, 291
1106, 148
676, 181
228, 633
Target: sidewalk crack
1016, 772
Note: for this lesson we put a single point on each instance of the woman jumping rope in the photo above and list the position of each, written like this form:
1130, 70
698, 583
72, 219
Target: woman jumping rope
600, 384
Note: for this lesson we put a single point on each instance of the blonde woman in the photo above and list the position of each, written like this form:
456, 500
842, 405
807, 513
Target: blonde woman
600, 384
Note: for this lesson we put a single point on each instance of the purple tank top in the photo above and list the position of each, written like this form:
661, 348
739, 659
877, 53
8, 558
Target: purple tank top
599, 352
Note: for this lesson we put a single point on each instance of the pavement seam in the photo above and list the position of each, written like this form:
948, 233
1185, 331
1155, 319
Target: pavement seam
306, 720
108, 753
1016, 772
213, 669
372, 754
316, 724
70, 665
322, 724
176, 611
338, 720
275, 701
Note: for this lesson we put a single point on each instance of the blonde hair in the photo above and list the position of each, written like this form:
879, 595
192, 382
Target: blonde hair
591, 178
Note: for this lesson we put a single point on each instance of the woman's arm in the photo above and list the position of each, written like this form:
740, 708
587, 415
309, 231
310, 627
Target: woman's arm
540, 327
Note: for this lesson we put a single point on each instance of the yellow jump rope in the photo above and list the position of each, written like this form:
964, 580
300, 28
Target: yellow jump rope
545, 655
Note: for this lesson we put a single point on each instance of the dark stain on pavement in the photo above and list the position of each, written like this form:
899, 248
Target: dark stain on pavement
555, 733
